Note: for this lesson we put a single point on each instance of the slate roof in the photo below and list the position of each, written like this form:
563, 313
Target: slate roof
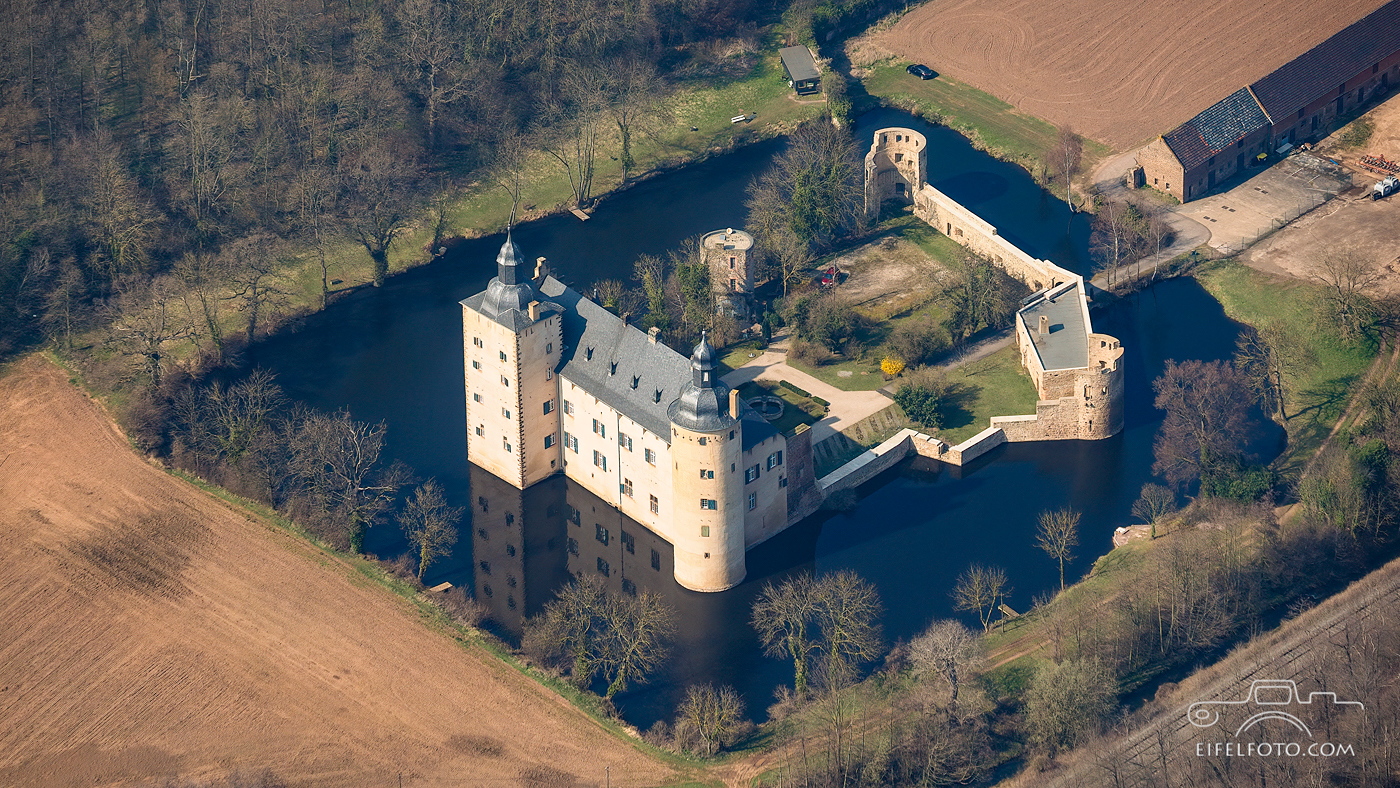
606, 357
799, 63
756, 428
1320, 70
1217, 128
1067, 344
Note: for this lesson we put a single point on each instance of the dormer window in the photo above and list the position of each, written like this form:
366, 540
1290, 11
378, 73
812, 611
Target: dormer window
612, 368
588, 354
704, 377
657, 396
635, 380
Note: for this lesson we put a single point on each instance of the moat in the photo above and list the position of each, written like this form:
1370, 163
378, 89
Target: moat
395, 354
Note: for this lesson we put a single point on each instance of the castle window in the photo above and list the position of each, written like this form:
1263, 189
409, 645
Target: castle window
503, 355
476, 397
612, 368
505, 381
510, 550
571, 441
657, 397
549, 347
572, 515
656, 560
477, 341
704, 441
628, 542
753, 501
707, 474
548, 406
548, 373
481, 532
655, 505
476, 365
599, 460
731, 434
568, 407
572, 546
483, 503
624, 440
629, 587
505, 412
650, 455
603, 568
510, 580
548, 441
480, 431
775, 459
600, 533
898, 157
485, 566
733, 284
731, 263
635, 380
510, 518
588, 354
599, 428
486, 589
507, 445
626, 487
709, 503
782, 482
750, 474
704, 530
510, 602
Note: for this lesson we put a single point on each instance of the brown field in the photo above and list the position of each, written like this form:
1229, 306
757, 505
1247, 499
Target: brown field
152, 631
1121, 72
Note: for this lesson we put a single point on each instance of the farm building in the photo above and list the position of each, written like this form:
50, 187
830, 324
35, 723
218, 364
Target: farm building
801, 69
1301, 101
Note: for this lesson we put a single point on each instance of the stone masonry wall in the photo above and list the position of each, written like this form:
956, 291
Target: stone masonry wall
1161, 169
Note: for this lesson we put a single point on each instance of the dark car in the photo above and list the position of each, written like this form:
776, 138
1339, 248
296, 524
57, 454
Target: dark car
921, 71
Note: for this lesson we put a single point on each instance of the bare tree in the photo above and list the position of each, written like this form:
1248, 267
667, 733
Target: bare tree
1057, 535
847, 615
1350, 281
1265, 356
638, 638
433, 50
253, 265
572, 627
380, 202
236, 416
1154, 503
815, 188
145, 321
635, 105
429, 524
1065, 157
336, 459
789, 256
1207, 422
574, 124
947, 648
1066, 703
784, 615
980, 590
716, 714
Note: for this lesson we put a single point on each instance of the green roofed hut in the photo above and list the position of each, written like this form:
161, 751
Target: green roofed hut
801, 69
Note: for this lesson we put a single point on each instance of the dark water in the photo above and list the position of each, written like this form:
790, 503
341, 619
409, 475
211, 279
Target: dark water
394, 354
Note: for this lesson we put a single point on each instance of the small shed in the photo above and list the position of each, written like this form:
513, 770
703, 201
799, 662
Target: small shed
801, 69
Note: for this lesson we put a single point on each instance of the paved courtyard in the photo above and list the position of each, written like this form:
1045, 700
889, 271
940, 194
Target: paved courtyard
1267, 201
847, 407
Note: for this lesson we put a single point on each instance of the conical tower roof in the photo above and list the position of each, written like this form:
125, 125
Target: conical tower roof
703, 405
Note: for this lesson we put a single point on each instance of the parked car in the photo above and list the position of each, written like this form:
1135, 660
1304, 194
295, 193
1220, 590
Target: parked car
1385, 188
921, 71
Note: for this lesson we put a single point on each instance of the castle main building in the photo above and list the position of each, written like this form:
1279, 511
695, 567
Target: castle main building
557, 384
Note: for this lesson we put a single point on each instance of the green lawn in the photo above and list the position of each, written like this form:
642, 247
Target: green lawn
991, 386
981, 116
865, 374
1316, 393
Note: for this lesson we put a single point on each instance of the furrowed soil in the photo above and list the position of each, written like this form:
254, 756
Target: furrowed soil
153, 631
1122, 72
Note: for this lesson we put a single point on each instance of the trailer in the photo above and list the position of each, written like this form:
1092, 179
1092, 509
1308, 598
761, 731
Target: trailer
1385, 187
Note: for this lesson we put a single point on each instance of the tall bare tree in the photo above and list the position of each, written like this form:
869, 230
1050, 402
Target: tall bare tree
1065, 158
980, 590
381, 199
716, 714
638, 638
430, 524
1350, 282
1265, 356
848, 618
253, 264
1058, 534
336, 459
1208, 419
145, 321
784, 615
949, 649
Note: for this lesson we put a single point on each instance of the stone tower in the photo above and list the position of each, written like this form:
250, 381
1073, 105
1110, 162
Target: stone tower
895, 168
1102, 388
512, 341
728, 253
707, 480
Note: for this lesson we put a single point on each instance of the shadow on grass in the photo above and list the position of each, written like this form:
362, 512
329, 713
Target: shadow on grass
1328, 398
955, 409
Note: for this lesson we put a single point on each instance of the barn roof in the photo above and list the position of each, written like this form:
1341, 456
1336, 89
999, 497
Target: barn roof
1217, 128
1320, 70
799, 63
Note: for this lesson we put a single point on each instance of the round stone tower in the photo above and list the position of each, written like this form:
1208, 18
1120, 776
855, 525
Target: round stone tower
1102, 389
727, 253
895, 168
707, 480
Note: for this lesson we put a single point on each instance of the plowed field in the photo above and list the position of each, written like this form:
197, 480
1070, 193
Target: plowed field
148, 630
1118, 72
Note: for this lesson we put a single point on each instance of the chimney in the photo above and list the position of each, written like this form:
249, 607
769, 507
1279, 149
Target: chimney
654, 334
534, 309
734, 403
541, 269
1044, 325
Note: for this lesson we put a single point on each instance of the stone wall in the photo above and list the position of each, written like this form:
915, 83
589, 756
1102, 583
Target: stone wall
1161, 170
972, 231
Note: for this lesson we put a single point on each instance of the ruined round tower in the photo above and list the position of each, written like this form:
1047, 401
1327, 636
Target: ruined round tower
707, 480
728, 255
1102, 389
895, 168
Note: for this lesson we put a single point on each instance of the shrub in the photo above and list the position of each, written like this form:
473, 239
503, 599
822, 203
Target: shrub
891, 366
922, 397
793, 388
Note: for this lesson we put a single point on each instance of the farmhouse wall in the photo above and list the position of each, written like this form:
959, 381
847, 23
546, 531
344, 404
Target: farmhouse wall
1161, 170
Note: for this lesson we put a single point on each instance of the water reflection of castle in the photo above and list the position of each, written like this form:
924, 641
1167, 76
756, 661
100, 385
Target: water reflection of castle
557, 384
529, 542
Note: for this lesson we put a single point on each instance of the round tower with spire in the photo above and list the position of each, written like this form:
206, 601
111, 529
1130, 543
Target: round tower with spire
707, 479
